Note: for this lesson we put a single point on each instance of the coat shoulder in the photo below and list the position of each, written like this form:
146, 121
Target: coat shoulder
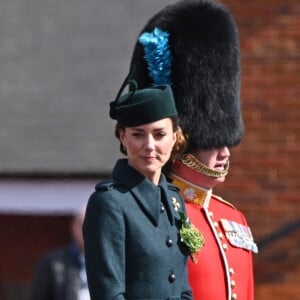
220, 199
107, 193
106, 185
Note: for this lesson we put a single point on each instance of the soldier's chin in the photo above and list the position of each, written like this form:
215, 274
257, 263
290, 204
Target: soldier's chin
220, 179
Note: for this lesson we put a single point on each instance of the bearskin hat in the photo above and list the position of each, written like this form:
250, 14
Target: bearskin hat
205, 70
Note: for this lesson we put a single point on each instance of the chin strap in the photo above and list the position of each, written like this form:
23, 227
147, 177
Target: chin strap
192, 162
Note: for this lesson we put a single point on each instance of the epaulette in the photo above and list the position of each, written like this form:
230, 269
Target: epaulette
222, 200
105, 185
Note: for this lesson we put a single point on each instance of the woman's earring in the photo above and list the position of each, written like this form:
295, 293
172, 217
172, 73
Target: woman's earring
124, 149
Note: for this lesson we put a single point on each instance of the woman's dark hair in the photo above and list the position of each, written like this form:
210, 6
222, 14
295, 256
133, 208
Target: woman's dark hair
180, 144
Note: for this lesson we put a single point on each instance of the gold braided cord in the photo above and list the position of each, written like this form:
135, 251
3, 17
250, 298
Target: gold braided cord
192, 162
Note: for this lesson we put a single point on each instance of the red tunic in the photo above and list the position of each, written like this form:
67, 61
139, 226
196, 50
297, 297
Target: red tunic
224, 270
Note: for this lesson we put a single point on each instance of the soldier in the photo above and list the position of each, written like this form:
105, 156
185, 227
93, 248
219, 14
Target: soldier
196, 47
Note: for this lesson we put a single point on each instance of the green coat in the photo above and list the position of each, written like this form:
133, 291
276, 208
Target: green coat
132, 244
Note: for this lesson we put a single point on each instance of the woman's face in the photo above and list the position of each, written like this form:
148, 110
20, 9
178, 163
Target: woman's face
149, 147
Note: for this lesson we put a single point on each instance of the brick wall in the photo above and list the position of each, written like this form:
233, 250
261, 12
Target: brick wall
264, 179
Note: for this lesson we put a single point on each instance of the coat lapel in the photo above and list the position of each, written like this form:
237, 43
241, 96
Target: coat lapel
146, 194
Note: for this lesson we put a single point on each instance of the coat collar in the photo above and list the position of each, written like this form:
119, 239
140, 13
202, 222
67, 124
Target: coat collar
192, 193
147, 195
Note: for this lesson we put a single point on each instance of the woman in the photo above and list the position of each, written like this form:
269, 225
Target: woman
133, 247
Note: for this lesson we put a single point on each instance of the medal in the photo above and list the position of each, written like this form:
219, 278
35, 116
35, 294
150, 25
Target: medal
239, 235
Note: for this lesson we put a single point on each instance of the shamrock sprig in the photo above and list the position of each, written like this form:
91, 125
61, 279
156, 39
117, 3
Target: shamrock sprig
191, 236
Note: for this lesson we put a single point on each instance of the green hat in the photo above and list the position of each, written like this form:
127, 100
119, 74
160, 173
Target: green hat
143, 106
